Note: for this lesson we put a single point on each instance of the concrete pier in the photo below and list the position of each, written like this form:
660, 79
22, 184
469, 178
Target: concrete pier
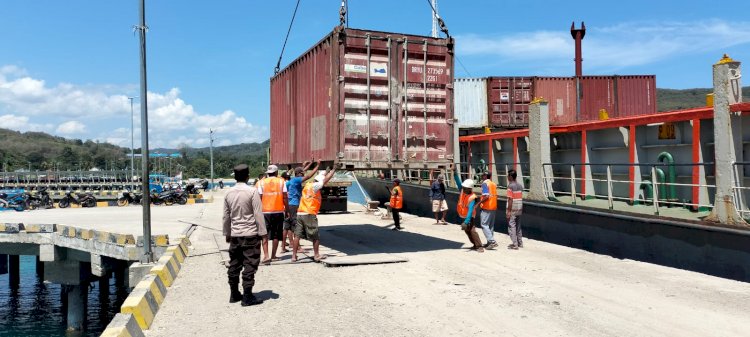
76, 309
39, 268
3, 264
14, 271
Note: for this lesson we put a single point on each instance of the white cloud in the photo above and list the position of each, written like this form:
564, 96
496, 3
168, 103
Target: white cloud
106, 112
71, 128
21, 123
613, 47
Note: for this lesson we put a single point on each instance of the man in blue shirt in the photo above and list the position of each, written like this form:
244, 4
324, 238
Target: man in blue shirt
437, 196
294, 191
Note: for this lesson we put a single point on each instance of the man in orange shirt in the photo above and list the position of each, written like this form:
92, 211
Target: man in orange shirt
273, 195
307, 214
397, 202
488, 206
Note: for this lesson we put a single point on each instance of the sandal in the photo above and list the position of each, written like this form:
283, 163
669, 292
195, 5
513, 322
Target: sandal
319, 259
266, 262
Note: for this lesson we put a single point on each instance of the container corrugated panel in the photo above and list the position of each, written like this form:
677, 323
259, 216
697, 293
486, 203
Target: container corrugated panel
367, 99
470, 108
508, 101
560, 92
596, 93
636, 95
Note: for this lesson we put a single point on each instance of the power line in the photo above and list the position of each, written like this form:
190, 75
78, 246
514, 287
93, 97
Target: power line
462, 66
278, 63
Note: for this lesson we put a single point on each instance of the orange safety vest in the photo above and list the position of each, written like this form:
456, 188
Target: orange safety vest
463, 204
311, 200
397, 200
491, 203
273, 194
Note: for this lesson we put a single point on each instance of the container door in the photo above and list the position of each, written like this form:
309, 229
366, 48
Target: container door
425, 112
367, 123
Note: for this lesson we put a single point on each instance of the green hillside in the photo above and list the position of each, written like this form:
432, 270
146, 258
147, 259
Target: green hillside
671, 99
41, 151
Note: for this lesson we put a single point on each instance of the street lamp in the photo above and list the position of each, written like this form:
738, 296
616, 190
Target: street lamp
132, 139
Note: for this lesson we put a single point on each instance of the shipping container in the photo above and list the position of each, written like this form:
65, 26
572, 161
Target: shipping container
367, 99
596, 93
470, 97
636, 95
508, 101
560, 92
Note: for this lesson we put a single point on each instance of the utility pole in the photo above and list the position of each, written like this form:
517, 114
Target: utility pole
211, 153
132, 141
434, 19
147, 253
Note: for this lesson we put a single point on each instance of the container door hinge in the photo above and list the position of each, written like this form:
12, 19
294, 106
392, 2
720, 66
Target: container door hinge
341, 155
341, 78
451, 121
449, 156
341, 117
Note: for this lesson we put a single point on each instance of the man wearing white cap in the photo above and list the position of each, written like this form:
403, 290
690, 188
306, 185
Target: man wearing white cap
467, 209
273, 194
307, 216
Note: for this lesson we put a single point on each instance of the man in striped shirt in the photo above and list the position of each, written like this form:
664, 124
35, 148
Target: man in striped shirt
513, 210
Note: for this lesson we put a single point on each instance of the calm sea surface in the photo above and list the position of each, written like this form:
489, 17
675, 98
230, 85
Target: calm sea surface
36, 309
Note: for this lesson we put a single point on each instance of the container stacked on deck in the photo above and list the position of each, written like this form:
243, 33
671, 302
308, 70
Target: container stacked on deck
367, 99
571, 99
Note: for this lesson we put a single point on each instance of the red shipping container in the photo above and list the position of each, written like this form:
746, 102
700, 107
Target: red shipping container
367, 99
560, 92
636, 95
508, 101
596, 93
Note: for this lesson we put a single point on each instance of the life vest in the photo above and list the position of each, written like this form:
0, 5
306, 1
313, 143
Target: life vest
311, 200
463, 204
397, 199
273, 194
491, 203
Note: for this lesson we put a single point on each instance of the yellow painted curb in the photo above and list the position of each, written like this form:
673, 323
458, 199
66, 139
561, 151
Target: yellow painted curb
191, 202
102, 204
177, 253
123, 325
142, 305
155, 286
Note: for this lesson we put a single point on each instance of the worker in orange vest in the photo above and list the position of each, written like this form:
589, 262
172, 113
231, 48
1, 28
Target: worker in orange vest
488, 205
467, 209
273, 195
307, 214
397, 202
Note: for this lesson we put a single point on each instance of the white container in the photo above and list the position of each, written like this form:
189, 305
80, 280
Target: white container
470, 102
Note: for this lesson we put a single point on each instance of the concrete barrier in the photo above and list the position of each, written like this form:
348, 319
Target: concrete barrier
123, 325
149, 293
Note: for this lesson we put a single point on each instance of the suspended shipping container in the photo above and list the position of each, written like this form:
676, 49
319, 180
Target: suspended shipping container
367, 99
470, 108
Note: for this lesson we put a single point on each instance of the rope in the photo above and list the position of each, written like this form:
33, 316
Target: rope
278, 63
463, 67
443, 28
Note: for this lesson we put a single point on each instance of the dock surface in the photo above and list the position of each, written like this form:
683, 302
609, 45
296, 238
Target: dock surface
444, 289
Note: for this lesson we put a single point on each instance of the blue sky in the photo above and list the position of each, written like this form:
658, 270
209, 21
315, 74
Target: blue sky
66, 67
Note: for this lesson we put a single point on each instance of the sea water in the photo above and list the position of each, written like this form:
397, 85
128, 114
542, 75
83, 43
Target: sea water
36, 307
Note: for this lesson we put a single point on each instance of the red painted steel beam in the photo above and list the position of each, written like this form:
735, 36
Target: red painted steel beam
631, 158
662, 117
696, 159
740, 107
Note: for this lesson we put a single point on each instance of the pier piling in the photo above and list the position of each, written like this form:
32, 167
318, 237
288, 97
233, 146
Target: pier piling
76, 307
3, 264
14, 271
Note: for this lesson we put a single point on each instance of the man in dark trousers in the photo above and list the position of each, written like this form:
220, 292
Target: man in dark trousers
397, 202
244, 228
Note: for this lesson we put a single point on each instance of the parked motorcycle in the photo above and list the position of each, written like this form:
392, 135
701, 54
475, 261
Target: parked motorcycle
17, 201
191, 189
83, 199
166, 197
128, 197
40, 199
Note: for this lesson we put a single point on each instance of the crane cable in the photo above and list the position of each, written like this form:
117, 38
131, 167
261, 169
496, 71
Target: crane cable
278, 63
443, 28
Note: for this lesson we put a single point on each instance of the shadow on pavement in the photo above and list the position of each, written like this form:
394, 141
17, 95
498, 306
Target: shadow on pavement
267, 295
370, 239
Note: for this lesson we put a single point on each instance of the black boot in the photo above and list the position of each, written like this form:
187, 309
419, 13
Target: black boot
236, 296
249, 299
